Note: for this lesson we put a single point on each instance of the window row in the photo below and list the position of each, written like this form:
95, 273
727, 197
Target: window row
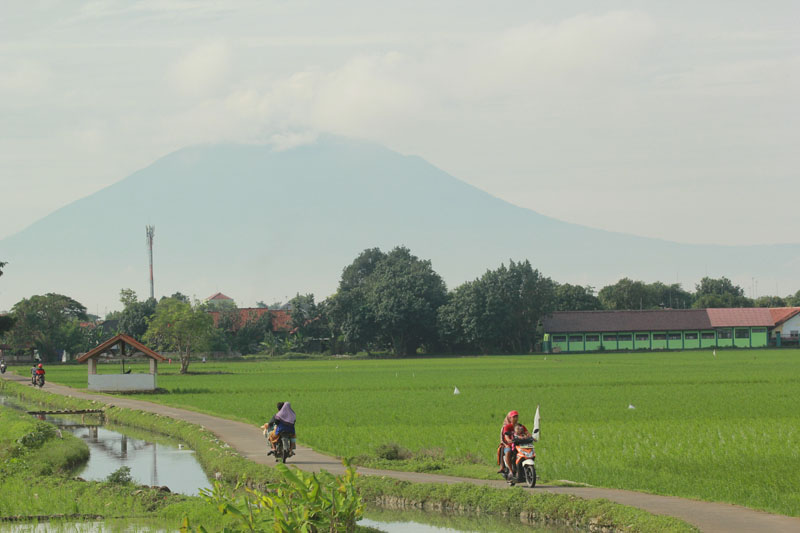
672, 336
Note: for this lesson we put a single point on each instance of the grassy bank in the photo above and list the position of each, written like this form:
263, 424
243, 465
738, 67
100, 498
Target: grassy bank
216, 456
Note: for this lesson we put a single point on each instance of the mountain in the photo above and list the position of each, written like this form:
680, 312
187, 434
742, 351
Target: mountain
260, 224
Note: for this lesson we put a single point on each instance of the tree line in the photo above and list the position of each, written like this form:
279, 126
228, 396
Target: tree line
386, 302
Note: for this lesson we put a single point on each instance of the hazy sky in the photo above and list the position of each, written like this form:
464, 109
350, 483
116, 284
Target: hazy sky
677, 120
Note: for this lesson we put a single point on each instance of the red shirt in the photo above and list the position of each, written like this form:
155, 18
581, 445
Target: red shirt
508, 432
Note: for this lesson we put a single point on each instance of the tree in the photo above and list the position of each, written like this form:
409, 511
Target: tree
670, 296
769, 301
127, 297
626, 294
499, 312
47, 323
2, 265
261, 305
134, 318
179, 326
576, 298
388, 299
710, 293
6, 321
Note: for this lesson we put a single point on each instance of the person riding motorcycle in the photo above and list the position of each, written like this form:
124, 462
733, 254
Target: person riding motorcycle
38, 372
282, 423
507, 442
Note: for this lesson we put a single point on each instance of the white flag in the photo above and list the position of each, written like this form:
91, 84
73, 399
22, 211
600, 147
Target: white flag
456, 391
536, 425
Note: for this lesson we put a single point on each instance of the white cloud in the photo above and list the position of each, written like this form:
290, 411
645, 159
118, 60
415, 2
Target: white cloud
202, 71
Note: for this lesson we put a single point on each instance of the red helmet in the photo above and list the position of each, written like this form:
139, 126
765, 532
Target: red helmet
40, 365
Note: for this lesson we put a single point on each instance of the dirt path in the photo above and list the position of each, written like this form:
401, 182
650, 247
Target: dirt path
248, 441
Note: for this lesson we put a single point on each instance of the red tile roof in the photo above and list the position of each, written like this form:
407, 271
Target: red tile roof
218, 296
281, 319
782, 314
754, 316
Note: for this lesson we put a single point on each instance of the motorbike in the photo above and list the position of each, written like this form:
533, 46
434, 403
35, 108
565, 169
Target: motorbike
38, 380
3, 367
524, 460
283, 448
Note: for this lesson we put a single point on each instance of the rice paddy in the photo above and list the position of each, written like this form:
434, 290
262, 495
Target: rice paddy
688, 424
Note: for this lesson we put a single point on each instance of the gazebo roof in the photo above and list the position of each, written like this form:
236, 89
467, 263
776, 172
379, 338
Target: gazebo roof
121, 338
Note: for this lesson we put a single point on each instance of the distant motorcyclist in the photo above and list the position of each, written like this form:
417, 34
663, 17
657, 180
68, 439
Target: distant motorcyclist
33, 373
38, 373
2, 366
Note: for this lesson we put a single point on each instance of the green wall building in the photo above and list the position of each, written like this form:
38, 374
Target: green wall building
663, 329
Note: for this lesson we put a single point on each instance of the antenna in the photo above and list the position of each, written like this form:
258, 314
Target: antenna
151, 231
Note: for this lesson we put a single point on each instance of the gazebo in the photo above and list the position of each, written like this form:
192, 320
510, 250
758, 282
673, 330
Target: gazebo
125, 381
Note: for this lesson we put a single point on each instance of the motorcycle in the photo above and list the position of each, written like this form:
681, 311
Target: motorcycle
3, 367
524, 463
38, 380
283, 448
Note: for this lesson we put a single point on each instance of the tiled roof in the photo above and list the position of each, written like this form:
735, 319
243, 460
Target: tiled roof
281, 319
218, 296
647, 320
753, 316
782, 314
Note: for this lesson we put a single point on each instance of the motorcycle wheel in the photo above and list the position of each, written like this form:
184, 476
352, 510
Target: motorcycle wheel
530, 475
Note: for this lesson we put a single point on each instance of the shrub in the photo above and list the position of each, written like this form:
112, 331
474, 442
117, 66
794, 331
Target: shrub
392, 452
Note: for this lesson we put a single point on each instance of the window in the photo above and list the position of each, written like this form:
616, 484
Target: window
708, 335
674, 336
592, 338
625, 337
643, 337
759, 330
559, 338
576, 338
742, 333
724, 334
609, 338
690, 335
659, 336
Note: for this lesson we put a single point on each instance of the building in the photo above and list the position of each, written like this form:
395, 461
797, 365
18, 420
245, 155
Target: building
281, 319
787, 325
662, 329
219, 300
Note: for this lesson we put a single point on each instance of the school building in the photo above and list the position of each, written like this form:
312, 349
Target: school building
664, 329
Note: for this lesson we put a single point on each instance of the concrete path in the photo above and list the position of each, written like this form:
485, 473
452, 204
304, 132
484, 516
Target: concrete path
249, 442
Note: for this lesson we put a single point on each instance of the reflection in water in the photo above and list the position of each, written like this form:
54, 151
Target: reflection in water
153, 459
416, 521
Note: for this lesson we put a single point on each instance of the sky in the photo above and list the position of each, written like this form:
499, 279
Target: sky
676, 120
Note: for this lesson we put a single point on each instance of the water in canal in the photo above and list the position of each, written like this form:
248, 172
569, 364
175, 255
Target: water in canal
154, 459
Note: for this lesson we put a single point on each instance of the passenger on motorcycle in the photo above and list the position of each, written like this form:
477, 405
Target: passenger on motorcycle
284, 421
507, 437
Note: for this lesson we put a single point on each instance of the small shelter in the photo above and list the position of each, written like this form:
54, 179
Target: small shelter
126, 381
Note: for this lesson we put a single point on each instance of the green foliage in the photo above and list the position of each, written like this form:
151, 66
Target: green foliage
392, 452
47, 323
299, 501
135, 317
720, 292
575, 298
180, 326
120, 476
499, 312
388, 299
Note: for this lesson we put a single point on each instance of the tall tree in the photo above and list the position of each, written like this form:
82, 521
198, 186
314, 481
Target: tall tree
48, 323
720, 292
134, 318
576, 298
626, 294
179, 326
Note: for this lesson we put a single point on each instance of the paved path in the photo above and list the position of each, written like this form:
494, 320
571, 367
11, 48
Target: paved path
248, 441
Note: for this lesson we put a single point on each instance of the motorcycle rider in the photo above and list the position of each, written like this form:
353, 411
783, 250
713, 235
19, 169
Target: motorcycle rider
284, 421
507, 441
33, 373
38, 372
269, 427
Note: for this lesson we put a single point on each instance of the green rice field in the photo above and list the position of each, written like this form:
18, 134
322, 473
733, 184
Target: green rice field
724, 428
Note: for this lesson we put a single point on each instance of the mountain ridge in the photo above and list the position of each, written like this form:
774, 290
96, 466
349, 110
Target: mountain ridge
262, 224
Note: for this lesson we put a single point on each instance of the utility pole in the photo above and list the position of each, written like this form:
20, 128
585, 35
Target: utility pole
151, 231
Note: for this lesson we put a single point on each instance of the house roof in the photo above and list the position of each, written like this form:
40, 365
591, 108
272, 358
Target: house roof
646, 320
281, 319
782, 314
740, 316
121, 338
218, 296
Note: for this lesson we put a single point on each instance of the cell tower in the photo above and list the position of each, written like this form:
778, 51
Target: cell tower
151, 231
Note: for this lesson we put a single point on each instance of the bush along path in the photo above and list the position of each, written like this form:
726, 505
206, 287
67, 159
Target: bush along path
437, 491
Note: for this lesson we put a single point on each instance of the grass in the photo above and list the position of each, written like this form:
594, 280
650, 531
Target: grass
711, 428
